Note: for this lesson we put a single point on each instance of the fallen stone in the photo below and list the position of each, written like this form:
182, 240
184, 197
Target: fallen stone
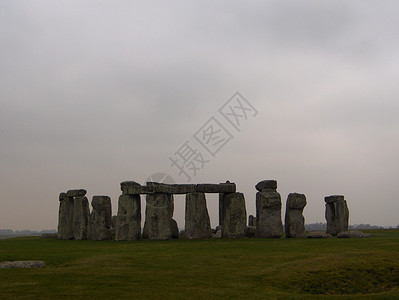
234, 215
100, 219
158, 216
352, 234
197, 222
76, 193
128, 219
268, 215
266, 184
318, 235
22, 264
81, 213
294, 220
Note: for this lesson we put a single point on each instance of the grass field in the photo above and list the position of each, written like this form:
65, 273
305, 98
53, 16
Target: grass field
207, 269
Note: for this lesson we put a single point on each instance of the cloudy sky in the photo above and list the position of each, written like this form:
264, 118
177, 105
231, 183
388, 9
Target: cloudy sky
93, 93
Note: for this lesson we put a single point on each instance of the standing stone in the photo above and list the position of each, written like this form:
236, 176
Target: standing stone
337, 214
100, 219
128, 220
268, 214
294, 220
234, 215
174, 229
197, 222
252, 221
65, 217
158, 216
81, 213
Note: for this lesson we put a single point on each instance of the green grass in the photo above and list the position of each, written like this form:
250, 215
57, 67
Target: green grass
208, 269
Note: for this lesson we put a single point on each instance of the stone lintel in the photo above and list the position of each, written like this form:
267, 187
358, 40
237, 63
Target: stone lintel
334, 198
132, 188
63, 196
76, 193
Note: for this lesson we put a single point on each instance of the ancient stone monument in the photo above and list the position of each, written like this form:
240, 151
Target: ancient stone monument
197, 222
268, 210
81, 212
100, 219
294, 220
233, 215
73, 215
128, 220
337, 214
159, 224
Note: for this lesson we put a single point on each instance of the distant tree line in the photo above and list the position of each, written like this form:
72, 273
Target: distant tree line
25, 232
323, 226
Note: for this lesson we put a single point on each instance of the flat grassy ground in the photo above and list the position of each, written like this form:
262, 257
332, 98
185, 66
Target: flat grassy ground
207, 269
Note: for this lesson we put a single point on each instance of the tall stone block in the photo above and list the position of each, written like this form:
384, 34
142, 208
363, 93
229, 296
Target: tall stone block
100, 219
234, 215
81, 213
158, 216
268, 214
197, 222
128, 220
294, 220
65, 217
337, 214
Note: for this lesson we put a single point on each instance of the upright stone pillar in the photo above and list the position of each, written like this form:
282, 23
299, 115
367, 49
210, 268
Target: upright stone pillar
81, 213
100, 219
233, 215
294, 220
268, 210
337, 214
65, 217
197, 222
158, 216
252, 221
128, 220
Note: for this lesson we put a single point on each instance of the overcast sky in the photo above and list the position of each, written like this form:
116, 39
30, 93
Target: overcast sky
93, 93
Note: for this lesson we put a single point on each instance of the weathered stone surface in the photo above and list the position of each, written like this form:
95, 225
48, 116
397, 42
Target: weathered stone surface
197, 222
76, 193
157, 187
81, 213
184, 188
216, 188
266, 184
128, 220
234, 215
337, 214
252, 221
158, 216
218, 233
268, 215
174, 228
22, 264
318, 235
65, 217
294, 220
250, 231
100, 219
352, 234
334, 198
